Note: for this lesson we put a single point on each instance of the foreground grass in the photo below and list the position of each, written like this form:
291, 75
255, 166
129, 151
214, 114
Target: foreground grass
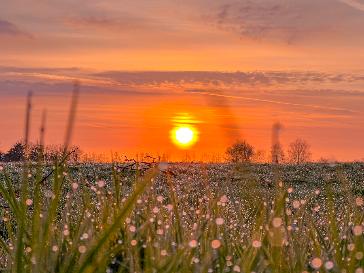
154, 221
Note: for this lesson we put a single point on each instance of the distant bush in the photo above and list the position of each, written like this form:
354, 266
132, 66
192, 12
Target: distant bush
240, 152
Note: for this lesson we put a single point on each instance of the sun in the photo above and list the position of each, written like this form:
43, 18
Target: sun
184, 136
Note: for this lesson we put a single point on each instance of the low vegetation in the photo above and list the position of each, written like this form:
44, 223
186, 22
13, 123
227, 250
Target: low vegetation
164, 217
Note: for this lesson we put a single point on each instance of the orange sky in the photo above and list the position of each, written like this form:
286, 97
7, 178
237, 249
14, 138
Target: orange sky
233, 67
137, 115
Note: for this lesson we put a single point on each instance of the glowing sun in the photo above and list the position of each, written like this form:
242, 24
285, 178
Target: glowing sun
184, 136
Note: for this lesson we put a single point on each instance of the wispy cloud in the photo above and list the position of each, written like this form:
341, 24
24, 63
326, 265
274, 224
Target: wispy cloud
353, 3
310, 106
309, 90
10, 29
106, 23
220, 79
209, 79
290, 21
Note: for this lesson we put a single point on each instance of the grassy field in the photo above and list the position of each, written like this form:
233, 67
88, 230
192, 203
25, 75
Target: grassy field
182, 218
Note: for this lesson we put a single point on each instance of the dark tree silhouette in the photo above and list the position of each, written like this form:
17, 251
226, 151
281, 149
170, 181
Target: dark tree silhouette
16, 153
240, 152
299, 151
36, 152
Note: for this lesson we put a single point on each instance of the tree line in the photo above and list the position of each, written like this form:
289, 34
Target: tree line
35, 152
298, 152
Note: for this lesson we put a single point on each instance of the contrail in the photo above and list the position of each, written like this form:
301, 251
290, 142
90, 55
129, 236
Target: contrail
278, 102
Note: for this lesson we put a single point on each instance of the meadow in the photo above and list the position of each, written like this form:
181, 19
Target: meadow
193, 136
180, 217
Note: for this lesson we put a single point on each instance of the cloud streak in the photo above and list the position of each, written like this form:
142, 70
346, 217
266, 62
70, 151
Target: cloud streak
311, 106
355, 4
121, 23
9, 29
290, 21
228, 78
293, 82
306, 90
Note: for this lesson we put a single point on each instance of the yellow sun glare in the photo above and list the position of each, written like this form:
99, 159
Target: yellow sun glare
184, 136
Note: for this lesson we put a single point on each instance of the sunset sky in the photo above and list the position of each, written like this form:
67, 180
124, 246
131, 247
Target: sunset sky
230, 69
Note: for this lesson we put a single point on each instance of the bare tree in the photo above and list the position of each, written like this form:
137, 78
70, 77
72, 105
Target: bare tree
76, 156
299, 151
240, 152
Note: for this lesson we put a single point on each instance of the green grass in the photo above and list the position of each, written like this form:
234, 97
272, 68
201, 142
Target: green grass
153, 223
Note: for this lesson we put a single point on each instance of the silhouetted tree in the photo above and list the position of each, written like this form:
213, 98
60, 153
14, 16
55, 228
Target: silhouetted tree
56, 152
240, 152
36, 152
76, 154
52, 153
299, 151
16, 153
